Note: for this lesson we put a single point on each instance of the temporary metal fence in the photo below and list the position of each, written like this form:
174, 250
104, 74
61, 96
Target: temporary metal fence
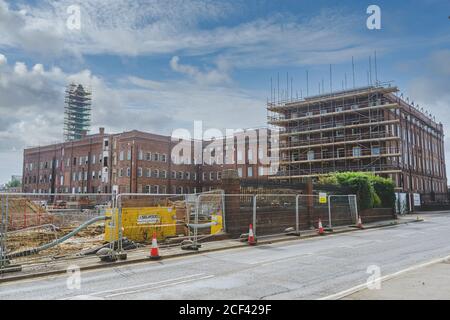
345, 208
175, 219
45, 227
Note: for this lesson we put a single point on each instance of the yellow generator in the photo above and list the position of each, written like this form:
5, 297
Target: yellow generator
139, 224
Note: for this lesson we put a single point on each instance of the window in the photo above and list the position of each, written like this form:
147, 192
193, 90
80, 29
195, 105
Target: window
211, 176
155, 173
120, 172
173, 174
155, 156
323, 111
141, 155
309, 114
310, 155
139, 172
163, 174
129, 155
338, 109
128, 172
163, 158
249, 172
93, 159
240, 172
250, 154
376, 151
340, 153
148, 156
93, 175
219, 175
180, 175
187, 175
239, 155
121, 158
261, 171
356, 151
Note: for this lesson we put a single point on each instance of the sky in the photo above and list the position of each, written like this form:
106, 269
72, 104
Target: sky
160, 65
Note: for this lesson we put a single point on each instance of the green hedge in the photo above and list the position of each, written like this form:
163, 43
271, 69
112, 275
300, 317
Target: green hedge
371, 191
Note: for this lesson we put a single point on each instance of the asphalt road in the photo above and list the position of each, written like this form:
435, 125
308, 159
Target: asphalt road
304, 269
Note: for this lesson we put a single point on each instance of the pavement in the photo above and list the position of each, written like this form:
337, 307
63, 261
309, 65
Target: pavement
431, 282
312, 268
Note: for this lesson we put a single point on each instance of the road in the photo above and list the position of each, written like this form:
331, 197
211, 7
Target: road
301, 269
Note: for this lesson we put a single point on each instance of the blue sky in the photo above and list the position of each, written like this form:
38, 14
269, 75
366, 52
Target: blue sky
160, 65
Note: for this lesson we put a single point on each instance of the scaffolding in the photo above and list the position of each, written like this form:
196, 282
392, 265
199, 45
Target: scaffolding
77, 112
354, 130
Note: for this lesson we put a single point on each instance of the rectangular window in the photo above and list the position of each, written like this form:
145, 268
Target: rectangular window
128, 154
240, 172
310, 155
121, 158
139, 172
376, 151
249, 172
356, 151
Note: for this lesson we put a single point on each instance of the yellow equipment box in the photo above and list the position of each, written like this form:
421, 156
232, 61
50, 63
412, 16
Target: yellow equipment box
139, 224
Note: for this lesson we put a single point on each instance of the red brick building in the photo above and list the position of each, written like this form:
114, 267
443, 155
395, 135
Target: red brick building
136, 162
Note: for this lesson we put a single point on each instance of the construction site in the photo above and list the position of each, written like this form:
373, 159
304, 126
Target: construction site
368, 129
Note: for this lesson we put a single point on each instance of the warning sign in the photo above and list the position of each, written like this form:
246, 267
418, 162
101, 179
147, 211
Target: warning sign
148, 219
322, 197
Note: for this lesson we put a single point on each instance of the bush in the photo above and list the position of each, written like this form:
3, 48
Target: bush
385, 189
359, 184
371, 190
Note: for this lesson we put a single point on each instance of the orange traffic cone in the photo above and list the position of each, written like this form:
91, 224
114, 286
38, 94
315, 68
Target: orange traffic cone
320, 228
154, 251
360, 225
251, 236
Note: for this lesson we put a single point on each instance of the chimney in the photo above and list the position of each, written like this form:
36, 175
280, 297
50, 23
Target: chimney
101, 130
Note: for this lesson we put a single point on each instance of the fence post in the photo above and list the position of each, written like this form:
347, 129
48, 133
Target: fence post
329, 212
297, 222
119, 225
254, 214
356, 208
224, 225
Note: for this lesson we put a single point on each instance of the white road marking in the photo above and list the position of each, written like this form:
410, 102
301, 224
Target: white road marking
158, 287
139, 286
269, 262
363, 286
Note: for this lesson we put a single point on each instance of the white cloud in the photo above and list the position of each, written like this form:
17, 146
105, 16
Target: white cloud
3, 60
132, 28
214, 76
